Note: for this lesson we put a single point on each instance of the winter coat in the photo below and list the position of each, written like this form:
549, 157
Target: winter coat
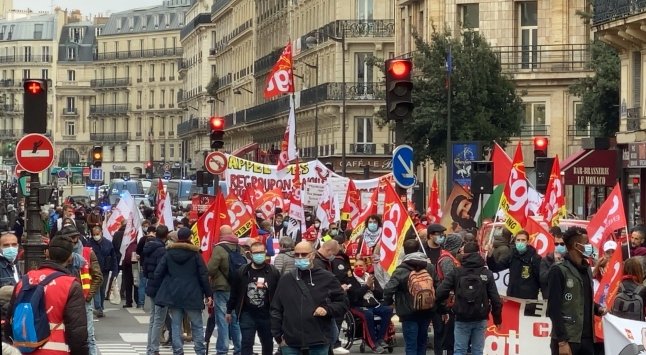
219, 266
292, 313
501, 248
397, 287
239, 286
153, 252
183, 276
284, 262
546, 264
117, 238
524, 273
106, 256
6, 272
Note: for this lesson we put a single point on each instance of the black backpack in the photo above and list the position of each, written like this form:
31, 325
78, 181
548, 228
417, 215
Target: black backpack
236, 261
471, 297
629, 304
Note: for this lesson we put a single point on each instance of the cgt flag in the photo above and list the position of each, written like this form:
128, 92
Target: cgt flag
514, 199
553, 206
288, 151
241, 220
608, 218
608, 287
281, 77
396, 224
206, 231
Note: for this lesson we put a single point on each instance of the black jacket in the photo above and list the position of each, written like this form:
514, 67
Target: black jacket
546, 264
524, 273
117, 238
153, 252
6, 272
341, 268
105, 254
140, 248
472, 261
357, 291
240, 282
182, 277
292, 313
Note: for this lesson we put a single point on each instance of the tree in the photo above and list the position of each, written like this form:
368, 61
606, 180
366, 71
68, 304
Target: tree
600, 93
485, 106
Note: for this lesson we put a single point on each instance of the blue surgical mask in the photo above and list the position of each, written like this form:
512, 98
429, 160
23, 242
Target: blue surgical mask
560, 249
373, 227
440, 239
521, 247
285, 223
587, 250
10, 253
334, 232
258, 258
302, 263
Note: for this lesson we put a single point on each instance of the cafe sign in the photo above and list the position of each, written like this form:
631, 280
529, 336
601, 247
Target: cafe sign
593, 168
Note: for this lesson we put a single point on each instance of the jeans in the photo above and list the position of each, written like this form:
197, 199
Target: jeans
466, 332
91, 340
225, 330
375, 334
157, 318
99, 297
141, 295
443, 334
195, 317
315, 350
415, 334
252, 322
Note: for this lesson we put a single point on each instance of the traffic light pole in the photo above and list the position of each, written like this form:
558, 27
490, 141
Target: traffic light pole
34, 246
399, 140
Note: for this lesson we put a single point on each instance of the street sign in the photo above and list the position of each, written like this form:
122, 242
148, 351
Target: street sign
18, 170
86, 171
403, 169
61, 182
215, 163
96, 174
35, 152
167, 175
62, 174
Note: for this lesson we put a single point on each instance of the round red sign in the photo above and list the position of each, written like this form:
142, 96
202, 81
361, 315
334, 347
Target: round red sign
35, 153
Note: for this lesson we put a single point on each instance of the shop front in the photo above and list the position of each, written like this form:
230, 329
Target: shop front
634, 172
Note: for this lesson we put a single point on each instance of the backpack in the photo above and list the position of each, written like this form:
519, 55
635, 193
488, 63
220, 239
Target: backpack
29, 323
236, 261
421, 289
471, 297
629, 304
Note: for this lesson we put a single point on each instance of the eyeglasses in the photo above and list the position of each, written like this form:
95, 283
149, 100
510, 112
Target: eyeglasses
301, 255
555, 244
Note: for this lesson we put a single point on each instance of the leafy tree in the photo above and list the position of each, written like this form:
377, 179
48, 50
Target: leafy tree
485, 106
600, 93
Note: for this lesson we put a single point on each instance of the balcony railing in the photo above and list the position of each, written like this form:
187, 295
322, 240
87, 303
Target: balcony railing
10, 133
142, 53
109, 137
109, 83
20, 58
200, 19
610, 10
70, 111
575, 131
533, 130
12, 108
109, 109
7, 83
193, 125
363, 148
544, 58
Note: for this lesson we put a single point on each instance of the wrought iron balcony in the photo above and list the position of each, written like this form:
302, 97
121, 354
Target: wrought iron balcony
575, 131
21, 58
109, 109
10, 133
193, 125
6, 83
610, 10
110, 137
141, 53
70, 111
544, 58
110, 83
267, 62
201, 19
533, 130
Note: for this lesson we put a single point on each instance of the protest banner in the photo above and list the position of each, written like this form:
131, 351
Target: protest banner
623, 336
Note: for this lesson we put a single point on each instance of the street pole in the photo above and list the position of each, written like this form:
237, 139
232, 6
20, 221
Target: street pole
343, 117
34, 246
449, 163
316, 110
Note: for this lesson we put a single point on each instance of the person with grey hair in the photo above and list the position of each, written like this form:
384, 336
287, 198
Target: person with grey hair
284, 261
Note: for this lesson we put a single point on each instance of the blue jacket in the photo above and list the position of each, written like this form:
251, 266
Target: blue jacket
153, 252
6, 272
106, 255
182, 277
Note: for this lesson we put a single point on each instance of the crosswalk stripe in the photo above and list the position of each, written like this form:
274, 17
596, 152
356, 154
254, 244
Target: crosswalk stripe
140, 349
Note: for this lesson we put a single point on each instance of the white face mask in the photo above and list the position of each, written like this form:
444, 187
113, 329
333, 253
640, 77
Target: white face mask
96, 237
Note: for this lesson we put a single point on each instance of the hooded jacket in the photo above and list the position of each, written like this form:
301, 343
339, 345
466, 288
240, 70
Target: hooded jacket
292, 312
472, 261
153, 252
524, 273
397, 286
182, 277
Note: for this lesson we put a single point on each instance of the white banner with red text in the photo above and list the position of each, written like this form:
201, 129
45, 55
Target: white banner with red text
623, 336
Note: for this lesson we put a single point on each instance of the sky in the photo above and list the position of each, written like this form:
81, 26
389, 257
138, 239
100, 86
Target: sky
87, 7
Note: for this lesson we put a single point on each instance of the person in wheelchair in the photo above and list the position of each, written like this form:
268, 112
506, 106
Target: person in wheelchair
365, 295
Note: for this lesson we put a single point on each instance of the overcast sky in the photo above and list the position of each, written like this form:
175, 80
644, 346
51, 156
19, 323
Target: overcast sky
87, 7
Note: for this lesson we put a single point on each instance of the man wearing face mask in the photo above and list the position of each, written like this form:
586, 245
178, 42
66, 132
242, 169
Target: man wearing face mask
326, 254
9, 274
524, 268
552, 258
434, 241
108, 262
570, 303
304, 306
251, 293
332, 232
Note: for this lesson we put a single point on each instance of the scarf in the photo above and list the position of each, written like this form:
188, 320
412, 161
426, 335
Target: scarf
371, 238
368, 296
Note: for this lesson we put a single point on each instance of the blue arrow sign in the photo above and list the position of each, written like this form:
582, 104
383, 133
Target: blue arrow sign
96, 174
167, 175
403, 169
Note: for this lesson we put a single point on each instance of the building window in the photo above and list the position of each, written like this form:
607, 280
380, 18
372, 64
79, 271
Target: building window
70, 128
636, 79
139, 123
533, 122
139, 95
140, 73
172, 97
152, 72
151, 98
71, 104
27, 54
76, 34
171, 150
71, 75
162, 151
364, 9
71, 53
162, 97
26, 74
527, 13
45, 53
44, 74
364, 129
38, 31
364, 69
470, 16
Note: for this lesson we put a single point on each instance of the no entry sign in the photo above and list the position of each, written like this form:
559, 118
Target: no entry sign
35, 153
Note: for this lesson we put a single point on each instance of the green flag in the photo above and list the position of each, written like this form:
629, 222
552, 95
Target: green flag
490, 207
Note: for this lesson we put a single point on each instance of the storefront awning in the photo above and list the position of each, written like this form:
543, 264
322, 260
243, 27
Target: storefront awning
591, 168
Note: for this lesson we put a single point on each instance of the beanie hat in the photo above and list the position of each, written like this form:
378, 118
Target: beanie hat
184, 234
452, 243
60, 248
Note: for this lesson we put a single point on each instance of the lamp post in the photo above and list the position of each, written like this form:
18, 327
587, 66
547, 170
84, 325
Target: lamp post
311, 42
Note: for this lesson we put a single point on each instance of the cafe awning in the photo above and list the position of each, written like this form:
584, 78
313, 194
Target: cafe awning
590, 168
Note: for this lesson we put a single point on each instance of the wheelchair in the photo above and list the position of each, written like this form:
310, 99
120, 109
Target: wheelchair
353, 330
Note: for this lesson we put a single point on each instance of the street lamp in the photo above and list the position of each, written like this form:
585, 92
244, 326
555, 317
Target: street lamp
313, 42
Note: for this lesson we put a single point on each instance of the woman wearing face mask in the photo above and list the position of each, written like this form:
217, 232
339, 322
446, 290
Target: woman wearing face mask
108, 261
524, 268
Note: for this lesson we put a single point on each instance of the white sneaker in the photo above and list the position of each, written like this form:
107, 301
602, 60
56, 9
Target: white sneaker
340, 351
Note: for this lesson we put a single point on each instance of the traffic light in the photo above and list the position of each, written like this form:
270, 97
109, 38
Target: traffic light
543, 168
35, 106
217, 132
399, 88
149, 169
540, 147
97, 156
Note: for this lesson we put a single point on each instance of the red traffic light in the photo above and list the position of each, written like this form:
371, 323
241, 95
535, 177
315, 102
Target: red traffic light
540, 143
34, 87
149, 164
217, 123
400, 68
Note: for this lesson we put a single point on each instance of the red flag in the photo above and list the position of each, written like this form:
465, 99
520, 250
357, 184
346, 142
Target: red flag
396, 224
288, 151
367, 211
281, 78
501, 165
608, 287
434, 212
553, 206
352, 204
161, 196
240, 218
541, 239
268, 202
514, 201
206, 231
608, 218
